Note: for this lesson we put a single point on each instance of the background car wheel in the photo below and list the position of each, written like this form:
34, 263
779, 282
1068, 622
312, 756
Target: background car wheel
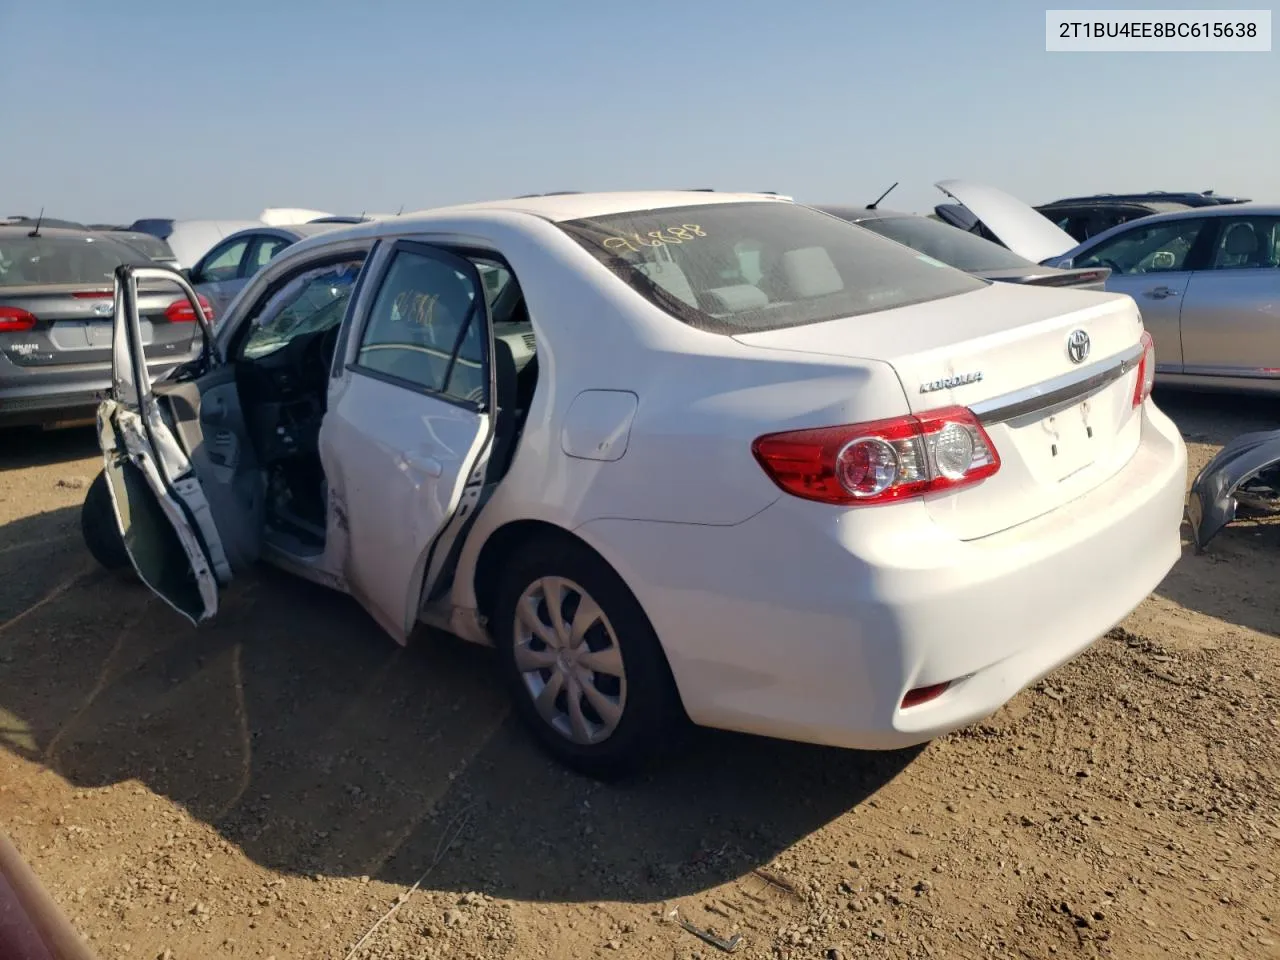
585, 668
99, 528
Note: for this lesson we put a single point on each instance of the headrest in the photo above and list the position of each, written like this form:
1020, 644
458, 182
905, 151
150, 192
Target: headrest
1241, 239
810, 273
734, 299
669, 276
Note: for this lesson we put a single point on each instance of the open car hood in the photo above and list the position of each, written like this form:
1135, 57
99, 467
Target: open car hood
1022, 229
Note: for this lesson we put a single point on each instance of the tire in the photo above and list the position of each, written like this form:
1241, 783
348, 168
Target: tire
99, 528
651, 717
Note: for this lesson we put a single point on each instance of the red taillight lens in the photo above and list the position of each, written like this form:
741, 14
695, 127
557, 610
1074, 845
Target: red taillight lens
1146, 370
180, 310
880, 461
16, 320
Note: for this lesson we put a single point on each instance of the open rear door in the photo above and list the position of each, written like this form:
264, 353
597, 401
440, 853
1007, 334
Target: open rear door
159, 504
407, 440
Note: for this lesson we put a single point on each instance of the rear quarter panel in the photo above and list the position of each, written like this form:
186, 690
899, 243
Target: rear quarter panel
702, 399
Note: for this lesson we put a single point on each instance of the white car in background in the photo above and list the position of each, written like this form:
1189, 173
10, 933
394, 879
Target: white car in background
706, 455
191, 239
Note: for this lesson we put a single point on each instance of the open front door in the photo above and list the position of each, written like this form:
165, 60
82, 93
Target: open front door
159, 505
407, 438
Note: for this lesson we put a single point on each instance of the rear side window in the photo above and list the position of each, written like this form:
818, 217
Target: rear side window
762, 265
85, 259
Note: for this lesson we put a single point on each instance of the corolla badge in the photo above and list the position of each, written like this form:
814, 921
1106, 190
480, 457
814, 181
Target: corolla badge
103, 309
1078, 346
946, 383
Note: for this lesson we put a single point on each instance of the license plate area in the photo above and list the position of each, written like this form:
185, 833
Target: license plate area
1070, 441
90, 334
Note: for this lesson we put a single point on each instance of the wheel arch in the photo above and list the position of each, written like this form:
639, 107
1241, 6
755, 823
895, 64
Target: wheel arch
504, 541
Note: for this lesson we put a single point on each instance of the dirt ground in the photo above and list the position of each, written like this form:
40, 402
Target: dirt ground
274, 783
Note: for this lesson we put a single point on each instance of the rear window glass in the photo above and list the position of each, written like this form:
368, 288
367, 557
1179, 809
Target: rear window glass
739, 267
83, 259
964, 251
153, 247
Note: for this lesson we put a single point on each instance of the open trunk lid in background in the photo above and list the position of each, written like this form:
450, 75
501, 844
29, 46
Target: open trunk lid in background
1002, 352
1021, 228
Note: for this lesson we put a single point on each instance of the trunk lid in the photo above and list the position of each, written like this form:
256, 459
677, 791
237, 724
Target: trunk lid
1060, 427
1022, 229
74, 324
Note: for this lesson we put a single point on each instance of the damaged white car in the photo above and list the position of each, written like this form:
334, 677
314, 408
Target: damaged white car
675, 455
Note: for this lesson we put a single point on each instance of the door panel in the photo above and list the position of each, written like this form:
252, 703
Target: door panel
408, 430
403, 460
167, 524
1160, 299
1231, 323
1153, 263
209, 424
160, 540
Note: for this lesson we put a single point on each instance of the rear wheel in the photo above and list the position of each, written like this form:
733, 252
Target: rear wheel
584, 666
99, 528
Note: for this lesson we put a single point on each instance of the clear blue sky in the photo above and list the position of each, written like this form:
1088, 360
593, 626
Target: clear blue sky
134, 108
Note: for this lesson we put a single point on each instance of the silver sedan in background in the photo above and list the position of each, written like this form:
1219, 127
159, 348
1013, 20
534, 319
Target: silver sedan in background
1207, 281
222, 272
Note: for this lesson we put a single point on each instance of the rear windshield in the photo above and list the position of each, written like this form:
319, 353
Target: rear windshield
964, 251
86, 259
153, 247
157, 228
761, 265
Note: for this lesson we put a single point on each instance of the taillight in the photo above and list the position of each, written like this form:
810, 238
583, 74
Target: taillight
180, 311
1146, 370
880, 461
16, 320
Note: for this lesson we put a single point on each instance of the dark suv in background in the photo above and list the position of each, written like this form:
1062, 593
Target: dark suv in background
1084, 217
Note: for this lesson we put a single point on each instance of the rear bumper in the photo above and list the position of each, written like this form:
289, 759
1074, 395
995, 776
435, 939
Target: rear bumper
31, 396
811, 623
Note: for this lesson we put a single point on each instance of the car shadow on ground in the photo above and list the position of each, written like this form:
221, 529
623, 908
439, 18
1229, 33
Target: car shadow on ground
299, 731
22, 447
1231, 580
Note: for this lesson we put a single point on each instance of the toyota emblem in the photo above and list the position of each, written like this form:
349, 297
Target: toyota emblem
1078, 346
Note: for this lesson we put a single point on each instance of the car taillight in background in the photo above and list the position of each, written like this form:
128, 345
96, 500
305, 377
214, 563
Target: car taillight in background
1146, 370
881, 461
16, 320
180, 311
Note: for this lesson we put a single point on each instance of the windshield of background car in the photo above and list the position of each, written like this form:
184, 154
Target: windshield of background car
85, 259
761, 265
964, 251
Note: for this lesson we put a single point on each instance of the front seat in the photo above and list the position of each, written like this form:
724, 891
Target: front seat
1240, 246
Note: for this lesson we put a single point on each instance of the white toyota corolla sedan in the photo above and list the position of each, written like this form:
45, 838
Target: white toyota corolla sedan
675, 455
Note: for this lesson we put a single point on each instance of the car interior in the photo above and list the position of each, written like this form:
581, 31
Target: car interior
251, 427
